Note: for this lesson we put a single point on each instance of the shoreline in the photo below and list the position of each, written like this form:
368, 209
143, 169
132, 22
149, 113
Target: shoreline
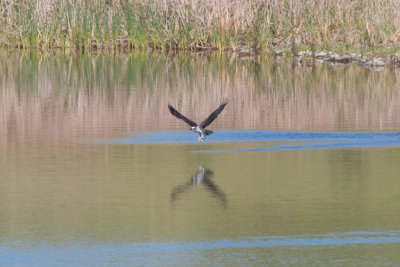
370, 60
365, 28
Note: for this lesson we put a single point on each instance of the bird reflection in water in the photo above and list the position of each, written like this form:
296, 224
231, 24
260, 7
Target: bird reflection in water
200, 178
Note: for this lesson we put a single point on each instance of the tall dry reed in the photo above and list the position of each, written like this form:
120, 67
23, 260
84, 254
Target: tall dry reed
337, 24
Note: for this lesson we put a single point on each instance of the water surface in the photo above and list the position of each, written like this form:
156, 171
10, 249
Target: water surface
302, 167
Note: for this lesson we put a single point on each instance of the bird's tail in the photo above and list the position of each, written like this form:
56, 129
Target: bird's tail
208, 132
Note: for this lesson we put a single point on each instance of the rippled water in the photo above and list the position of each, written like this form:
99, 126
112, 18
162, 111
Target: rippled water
289, 140
302, 168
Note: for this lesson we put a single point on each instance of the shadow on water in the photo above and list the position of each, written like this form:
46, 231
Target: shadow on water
201, 178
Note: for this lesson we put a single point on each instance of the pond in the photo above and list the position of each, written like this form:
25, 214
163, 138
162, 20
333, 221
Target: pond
302, 168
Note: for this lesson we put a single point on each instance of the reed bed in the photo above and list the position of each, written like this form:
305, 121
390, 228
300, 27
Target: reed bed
190, 24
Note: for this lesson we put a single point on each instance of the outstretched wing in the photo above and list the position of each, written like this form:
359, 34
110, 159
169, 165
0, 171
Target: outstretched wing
180, 116
214, 115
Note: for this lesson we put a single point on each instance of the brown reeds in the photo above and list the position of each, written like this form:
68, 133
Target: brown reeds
189, 24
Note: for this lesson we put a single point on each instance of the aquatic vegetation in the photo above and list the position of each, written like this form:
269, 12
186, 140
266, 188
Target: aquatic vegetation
187, 24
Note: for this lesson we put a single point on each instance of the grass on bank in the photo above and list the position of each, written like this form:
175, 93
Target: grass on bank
187, 24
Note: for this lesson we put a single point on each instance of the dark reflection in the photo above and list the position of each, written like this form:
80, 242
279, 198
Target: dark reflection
200, 178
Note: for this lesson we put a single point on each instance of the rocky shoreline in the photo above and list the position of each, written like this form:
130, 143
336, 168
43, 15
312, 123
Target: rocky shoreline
373, 62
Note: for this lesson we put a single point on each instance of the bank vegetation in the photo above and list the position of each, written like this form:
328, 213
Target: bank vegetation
191, 24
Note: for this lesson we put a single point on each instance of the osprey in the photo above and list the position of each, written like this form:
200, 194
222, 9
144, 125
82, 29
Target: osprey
200, 128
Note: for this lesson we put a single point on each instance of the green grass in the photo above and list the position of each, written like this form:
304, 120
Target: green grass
126, 24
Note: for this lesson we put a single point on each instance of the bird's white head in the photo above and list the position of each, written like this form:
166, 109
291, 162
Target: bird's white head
193, 128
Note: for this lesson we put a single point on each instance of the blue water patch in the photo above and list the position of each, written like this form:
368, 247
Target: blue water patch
89, 252
289, 140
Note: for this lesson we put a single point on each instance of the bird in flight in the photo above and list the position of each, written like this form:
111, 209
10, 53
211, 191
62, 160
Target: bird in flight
200, 128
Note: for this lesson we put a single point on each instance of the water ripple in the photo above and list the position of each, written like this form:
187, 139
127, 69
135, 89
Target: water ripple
289, 140
91, 252
329, 239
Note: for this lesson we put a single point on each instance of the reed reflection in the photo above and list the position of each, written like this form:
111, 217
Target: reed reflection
201, 178
65, 97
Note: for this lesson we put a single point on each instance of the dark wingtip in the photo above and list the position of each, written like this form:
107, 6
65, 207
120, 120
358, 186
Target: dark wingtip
171, 109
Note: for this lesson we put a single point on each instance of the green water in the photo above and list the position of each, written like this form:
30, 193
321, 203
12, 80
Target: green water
70, 197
